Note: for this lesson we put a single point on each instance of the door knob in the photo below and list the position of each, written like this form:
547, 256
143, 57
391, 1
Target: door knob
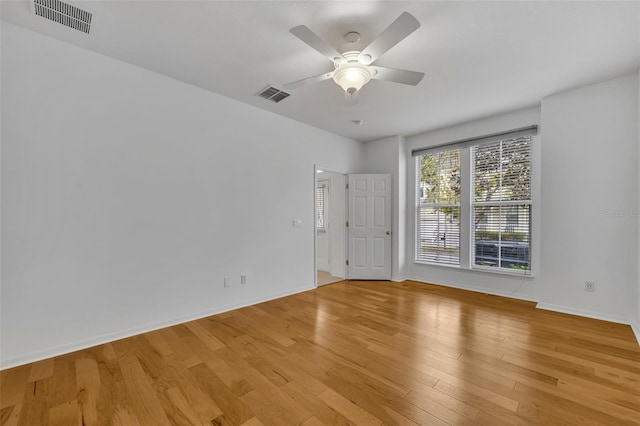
388, 232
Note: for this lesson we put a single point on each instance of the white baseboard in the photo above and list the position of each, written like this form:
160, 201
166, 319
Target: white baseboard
636, 330
398, 279
548, 306
518, 296
582, 313
111, 337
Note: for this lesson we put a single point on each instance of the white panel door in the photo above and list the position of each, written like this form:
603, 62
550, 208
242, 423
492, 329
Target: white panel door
370, 227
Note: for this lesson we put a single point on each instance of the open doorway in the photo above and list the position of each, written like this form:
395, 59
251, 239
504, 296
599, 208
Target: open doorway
330, 219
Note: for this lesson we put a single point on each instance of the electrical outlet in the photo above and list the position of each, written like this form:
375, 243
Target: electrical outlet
227, 282
243, 279
589, 286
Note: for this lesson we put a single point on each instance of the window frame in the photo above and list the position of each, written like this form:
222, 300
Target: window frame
466, 218
419, 206
321, 211
501, 203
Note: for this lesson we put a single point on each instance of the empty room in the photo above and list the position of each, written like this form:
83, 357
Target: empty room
319, 212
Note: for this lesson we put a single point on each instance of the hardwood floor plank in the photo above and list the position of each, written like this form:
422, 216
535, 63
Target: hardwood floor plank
203, 405
313, 421
64, 380
88, 385
204, 336
232, 407
181, 350
253, 422
354, 352
124, 417
113, 403
348, 408
160, 345
273, 408
41, 370
141, 393
582, 404
485, 401
434, 396
14, 384
316, 406
440, 411
35, 404
66, 414
183, 412
9, 416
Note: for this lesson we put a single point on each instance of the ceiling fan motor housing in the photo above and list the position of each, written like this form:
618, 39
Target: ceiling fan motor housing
352, 76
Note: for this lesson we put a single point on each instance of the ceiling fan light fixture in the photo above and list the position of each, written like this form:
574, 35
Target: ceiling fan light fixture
352, 76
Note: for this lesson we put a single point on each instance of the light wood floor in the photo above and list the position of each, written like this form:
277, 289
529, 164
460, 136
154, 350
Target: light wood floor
325, 278
365, 353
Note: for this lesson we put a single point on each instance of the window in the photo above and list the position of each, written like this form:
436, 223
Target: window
320, 206
501, 204
482, 187
438, 207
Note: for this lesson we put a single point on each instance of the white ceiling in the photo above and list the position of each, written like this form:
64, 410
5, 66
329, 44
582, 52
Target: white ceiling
480, 58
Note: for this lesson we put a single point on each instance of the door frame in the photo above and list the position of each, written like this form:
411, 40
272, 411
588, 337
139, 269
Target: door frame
344, 243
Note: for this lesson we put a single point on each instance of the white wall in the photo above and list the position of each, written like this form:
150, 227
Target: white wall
590, 200
128, 196
585, 217
385, 156
524, 288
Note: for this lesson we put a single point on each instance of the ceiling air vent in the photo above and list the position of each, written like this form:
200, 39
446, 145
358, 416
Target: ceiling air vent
63, 13
272, 94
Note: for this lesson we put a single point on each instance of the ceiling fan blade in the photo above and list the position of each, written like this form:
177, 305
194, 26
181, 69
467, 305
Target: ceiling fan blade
392, 35
351, 99
304, 81
309, 37
411, 78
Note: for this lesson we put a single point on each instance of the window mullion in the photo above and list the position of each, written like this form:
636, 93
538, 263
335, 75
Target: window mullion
466, 197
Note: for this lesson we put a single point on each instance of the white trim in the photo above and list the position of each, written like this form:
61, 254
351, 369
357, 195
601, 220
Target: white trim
494, 271
511, 295
111, 337
501, 271
582, 313
345, 270
478, 140
398, 279
635, 327
315, 227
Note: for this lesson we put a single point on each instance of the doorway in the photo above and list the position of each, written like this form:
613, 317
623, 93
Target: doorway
330, 219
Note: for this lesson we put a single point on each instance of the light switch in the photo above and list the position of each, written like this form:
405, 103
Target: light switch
297, 223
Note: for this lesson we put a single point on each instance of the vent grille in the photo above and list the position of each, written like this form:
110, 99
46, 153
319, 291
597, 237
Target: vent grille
272, 94
63, 13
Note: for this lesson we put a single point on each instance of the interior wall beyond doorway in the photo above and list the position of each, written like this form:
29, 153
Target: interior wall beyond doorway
337, 219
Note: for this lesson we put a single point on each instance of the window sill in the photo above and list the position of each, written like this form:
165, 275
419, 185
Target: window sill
501, 272
478, 269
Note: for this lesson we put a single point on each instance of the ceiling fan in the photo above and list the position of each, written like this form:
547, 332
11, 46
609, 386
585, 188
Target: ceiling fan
352, 68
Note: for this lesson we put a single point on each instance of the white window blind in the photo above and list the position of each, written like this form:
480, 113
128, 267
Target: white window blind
320, 206
483, 186
501, 205
438, 207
